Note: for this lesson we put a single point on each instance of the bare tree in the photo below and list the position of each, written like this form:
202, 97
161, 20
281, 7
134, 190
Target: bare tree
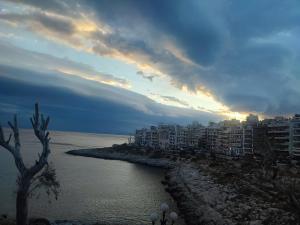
38, 175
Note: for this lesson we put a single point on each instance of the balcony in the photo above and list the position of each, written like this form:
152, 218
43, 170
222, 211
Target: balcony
278, 131
281, 138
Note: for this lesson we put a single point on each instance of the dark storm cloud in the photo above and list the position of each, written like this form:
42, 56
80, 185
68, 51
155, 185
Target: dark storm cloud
242, 50
265, 17
185, 22
245, 53
81, 105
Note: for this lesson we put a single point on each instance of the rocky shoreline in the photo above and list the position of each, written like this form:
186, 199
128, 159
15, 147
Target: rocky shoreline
109, 153
210, 192
203, 199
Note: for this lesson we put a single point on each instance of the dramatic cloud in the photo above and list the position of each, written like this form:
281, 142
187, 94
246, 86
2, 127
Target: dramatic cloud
78, 104
10, 54
243, 54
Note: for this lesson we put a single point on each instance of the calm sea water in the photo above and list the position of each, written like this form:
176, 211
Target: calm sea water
111, 192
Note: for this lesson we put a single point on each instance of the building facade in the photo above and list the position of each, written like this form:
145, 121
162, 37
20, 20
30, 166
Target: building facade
229, 137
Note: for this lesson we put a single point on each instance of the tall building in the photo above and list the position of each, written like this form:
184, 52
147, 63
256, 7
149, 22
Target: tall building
164, 136
229, 140
140, 137
211, 136
278, 133
294, 146
248, 142
181, 137
195, 133
260, 133
236, 140
222, 140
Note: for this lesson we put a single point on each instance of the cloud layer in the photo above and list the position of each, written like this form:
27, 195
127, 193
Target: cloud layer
244, 54
78, 104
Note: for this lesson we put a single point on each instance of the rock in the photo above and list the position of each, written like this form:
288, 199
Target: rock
255, 222
39, 221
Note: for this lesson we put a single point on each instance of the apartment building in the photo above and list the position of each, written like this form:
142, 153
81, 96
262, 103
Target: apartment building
181, 137
247, 140
236, 140
147, 137
294, 145
165, 136
278, 132
230, 137
140, 137
211, 135
230, 140
195, 132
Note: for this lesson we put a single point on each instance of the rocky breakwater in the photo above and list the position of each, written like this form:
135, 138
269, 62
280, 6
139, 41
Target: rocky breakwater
121, 153
212, 194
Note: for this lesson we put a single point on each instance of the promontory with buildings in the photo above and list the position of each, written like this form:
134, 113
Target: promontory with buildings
226, 173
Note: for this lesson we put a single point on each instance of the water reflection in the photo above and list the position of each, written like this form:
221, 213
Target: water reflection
113, 192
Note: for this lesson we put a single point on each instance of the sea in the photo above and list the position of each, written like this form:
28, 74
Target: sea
91, 190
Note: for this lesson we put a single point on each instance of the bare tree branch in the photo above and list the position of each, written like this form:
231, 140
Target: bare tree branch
40, 126
5, 143
40, 172
15, 151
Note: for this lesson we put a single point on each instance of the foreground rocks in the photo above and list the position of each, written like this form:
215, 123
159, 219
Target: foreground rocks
207, 196
40, 221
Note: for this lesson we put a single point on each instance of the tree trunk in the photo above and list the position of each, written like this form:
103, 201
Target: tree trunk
22, 202
22, 208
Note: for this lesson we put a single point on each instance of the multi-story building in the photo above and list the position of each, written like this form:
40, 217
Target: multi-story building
278, 133
222, 140
164, 136
229, 137
181, 137
236, 140
249, 129
147, 137
211, 136
294, 146
195, 132
247, 140
153, 141
230, 140
260, 133
140, 137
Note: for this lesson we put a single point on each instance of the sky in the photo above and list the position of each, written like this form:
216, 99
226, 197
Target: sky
115, 65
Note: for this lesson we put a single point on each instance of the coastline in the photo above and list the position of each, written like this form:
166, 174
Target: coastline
108, 153
206, 192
